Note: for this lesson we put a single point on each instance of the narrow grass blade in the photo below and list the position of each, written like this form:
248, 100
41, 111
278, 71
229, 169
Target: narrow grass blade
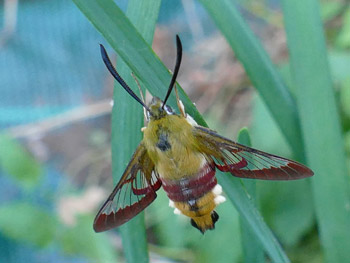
252, 250
260, 69
320, 126
126, 125
143, 14
127, 120
140, 58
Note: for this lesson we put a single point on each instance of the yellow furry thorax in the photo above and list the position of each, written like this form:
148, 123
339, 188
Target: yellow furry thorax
170, 143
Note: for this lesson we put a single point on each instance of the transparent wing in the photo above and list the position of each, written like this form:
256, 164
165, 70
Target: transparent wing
246, 162
134, 192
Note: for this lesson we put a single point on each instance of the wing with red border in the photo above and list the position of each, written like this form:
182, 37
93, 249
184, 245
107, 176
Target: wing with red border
246, 162
134, 192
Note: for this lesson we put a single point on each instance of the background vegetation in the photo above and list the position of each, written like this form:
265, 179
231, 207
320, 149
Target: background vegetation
301, 111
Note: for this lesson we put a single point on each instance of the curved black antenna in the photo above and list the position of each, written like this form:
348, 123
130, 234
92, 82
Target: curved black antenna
115, 74
176, 70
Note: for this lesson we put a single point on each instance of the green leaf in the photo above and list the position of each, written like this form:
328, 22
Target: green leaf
18, 163
82, 240
331, 9
252, 249
165, 221
127, 114
340, 64
287, 206
264, 131
320, 126
288, 209
245, 206
345, 97
244, 138
259, 68
227, 248
23, 222
343, 39
120, 33
144, 15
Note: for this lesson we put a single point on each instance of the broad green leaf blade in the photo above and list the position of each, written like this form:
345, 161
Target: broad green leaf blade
320, 126
260, 69
131, 47
252, 250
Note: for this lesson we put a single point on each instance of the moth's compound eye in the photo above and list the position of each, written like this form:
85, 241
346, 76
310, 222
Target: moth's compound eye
168, 109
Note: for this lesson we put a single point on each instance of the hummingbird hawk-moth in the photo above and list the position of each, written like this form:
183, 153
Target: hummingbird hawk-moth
181, 156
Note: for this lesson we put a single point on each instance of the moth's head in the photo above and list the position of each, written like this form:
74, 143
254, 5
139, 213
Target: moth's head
157, 110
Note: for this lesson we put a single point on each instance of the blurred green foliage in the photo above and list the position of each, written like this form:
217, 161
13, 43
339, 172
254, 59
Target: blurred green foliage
287, 206
81, 240
27, 223
35, 225
16, 162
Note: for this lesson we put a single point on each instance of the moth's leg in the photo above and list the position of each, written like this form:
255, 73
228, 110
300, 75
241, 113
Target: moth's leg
179, 103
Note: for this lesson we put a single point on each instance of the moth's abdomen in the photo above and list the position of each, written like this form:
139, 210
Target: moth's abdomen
191, 187
196, 197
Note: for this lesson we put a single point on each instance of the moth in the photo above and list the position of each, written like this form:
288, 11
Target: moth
181, 156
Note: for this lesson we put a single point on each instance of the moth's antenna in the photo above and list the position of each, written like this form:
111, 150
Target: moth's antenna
176, 70
115, 74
